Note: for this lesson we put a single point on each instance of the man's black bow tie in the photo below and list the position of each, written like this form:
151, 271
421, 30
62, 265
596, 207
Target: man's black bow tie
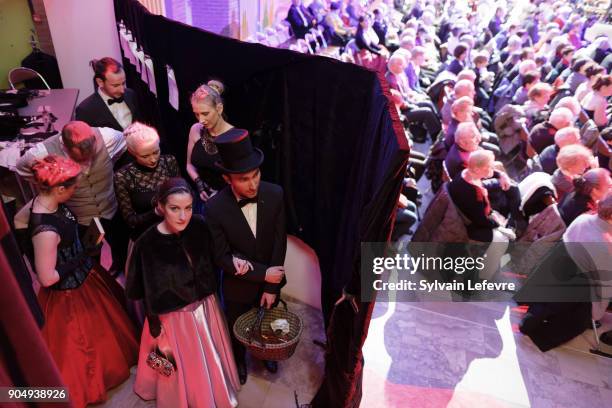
245, 201
114, 100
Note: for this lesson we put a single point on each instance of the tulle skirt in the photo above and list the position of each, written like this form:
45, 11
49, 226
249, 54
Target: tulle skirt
197, 339
90, 337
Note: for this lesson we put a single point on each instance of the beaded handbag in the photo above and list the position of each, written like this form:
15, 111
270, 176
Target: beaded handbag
160, 363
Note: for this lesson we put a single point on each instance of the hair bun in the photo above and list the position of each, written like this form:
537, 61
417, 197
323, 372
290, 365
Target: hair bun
579, 182
217, 86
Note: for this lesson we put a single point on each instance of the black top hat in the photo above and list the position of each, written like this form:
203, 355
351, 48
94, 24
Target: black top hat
237, 153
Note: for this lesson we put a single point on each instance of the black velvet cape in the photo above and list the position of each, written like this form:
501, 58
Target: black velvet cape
172, 271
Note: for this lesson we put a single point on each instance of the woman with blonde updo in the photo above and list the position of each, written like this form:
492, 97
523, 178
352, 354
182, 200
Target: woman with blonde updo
86, 329
136, 183
202, 153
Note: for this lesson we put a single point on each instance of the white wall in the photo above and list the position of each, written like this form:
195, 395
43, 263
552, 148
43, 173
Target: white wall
303, 273
82, 30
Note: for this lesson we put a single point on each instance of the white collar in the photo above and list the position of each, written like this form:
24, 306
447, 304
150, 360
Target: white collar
105, 97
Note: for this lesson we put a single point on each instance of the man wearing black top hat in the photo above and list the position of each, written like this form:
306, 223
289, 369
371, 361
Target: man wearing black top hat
247, 222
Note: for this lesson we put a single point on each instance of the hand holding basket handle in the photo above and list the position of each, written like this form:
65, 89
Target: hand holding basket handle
256, 327
267, 300
252, 329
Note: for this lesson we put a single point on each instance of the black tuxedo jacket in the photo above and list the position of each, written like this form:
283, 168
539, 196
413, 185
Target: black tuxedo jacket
232, 236
95, 112
297, 24
454, 162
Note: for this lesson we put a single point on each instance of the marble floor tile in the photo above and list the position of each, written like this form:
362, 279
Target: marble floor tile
580, 367
280, 396
606, 395
472, 356
254, 392
546, 388
605, 370
124, 396
465, 311
530, 356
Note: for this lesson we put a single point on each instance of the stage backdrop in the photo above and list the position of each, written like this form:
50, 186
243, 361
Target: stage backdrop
330, 138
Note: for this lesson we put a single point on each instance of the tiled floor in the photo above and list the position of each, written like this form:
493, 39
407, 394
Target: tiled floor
468, 355
302, 373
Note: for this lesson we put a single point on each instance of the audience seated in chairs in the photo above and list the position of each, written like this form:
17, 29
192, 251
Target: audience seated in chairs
462, 111
592, 73
467, 140
338, 33
318, 9
564, 137
458, 63
595, 103
538, 96
591, 237
300, 19
530, 79
462, 88
471, 197
373, 55
589, 188
578, 75
543, 134
413, 106
572, 162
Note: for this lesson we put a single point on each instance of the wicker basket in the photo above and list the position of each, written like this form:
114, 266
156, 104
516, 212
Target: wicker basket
253, 330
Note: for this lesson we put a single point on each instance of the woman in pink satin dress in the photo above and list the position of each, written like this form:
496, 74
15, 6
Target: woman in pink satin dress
171, 268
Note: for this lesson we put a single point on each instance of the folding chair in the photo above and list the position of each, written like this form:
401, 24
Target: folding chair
19, 75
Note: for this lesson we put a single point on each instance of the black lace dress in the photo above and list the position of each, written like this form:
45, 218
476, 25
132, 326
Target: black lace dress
135, 186
86, 328
203, 158
73, 264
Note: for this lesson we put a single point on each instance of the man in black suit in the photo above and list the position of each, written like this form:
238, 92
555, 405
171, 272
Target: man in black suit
380, 27
247, 222
112, 104
300, 19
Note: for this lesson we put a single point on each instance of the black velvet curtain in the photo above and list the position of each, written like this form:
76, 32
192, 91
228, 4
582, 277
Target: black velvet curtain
330, 138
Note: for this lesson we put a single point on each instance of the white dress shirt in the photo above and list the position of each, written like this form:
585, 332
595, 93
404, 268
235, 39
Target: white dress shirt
299, 10
120, 111
250, 214
113, 140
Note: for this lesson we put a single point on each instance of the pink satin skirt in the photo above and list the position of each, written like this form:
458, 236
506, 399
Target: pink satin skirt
197, 339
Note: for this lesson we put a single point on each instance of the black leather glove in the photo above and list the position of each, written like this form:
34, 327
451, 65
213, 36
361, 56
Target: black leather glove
201, 186
154, 325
